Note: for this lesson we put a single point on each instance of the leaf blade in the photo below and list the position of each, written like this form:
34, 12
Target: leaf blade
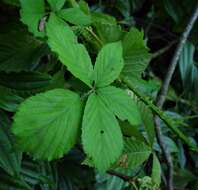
99, 142
10, 158
71, 54
75, 16
120, 104
56, 4
136, 56
109, 64
31, 12
135, 152
156, 170
56, 125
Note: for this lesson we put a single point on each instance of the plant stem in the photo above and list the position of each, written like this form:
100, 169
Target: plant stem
163, 50
89, 29
167, 120
163, 92
122, 176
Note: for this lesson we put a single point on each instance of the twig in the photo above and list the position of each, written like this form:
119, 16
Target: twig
162, 96
89, 29
124, 177
163, 50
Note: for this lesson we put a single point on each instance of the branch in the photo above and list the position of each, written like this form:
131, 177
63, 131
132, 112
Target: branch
171, 69
163, 50
163, 92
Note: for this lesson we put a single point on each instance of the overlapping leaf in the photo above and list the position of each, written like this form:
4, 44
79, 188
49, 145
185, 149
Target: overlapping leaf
25, 80
47, 124
135, 152
120, 104
9, 100
32, 12
22, 53
56, 4
10, 158
136, 55
75, 16
108, 32
9, 182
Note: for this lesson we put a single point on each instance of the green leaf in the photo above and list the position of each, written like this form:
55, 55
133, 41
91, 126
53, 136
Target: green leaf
124, 7
59, 33
9, 100
12, 2
111, 182
84, 6
8, 182
130, 131
25, 80
173, 9
188, 69
22, 53
156, 170
75, 16
56, 5
135, 152
109, 64
31, 172
32, 12
120, 104
147, 118
75, 56
163, 116
170, 144
108, 32
136, 55
10, 158
101, 134
50, 129
98, 17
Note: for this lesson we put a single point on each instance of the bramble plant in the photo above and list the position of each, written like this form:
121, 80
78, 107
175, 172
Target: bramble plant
47, 125
74, 85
